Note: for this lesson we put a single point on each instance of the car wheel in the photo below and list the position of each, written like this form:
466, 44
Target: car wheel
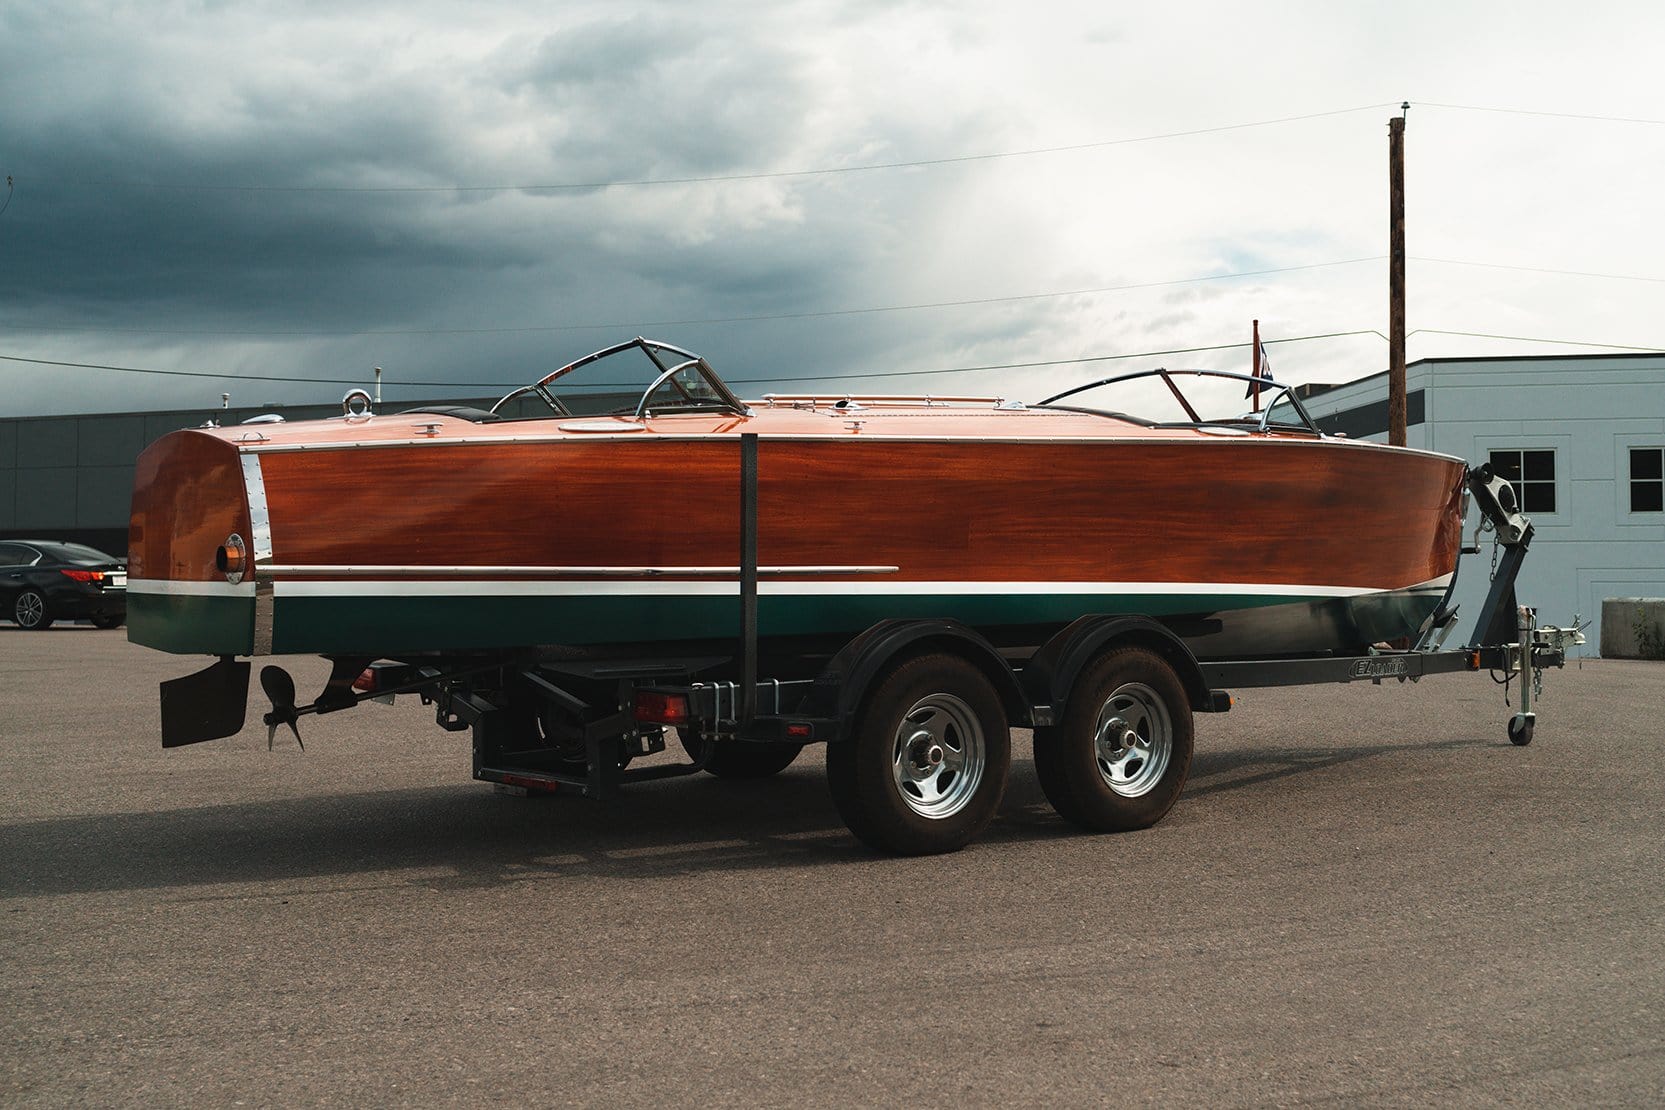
925, 767
108, 622
30, 611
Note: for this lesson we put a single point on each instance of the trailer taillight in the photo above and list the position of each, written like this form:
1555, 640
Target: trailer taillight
366, 682
661, 709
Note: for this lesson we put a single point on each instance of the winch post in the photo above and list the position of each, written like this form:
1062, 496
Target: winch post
1495, 499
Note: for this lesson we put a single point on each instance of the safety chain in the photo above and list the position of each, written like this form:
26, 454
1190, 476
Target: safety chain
1486, 525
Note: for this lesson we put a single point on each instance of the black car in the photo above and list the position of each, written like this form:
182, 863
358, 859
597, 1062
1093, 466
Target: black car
42, 581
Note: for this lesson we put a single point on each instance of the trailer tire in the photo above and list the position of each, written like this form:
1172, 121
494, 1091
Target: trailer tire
738, 759
1119, 759
925, 767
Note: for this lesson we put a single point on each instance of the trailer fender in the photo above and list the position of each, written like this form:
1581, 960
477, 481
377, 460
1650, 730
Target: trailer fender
842, 685
1052, 671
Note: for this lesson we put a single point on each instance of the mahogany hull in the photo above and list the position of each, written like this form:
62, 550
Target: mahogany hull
516, 535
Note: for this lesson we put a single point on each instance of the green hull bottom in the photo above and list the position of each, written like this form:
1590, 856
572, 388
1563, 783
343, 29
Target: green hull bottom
391, 626
187, 625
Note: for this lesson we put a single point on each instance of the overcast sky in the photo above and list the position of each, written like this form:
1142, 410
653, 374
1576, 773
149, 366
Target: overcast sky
272, 190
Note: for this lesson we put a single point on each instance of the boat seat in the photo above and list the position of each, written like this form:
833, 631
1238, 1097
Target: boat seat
461, 412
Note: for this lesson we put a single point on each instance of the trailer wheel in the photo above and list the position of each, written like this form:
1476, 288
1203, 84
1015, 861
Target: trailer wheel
926, 766
737, 759
1119, 759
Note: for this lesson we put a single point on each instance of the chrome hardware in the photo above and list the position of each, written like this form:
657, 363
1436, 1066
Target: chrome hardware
429, 430
346, 570
260, 524
356, 405
232, 558
1276, 393
266, 418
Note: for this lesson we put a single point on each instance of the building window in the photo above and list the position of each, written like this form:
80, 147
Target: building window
1532, 473
1647, 479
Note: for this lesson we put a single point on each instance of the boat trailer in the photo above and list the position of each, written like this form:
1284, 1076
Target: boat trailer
916, 712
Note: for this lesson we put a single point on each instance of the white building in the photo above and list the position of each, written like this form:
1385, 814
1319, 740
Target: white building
1582, 439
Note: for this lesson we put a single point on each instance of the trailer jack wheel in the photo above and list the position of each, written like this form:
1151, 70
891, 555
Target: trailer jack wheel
1520, 728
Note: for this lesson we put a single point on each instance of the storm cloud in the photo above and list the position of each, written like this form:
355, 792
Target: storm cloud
454, 192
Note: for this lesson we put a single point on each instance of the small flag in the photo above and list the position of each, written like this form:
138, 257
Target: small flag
1262, 370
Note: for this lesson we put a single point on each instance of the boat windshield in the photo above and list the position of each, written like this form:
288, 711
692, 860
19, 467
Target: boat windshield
640, 378
1192, 398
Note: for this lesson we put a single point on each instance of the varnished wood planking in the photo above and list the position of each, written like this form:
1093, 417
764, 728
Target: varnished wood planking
1193, 510
1243, 512
578, 502
187, 499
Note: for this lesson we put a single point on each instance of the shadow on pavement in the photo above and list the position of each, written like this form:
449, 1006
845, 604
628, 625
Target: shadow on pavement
482, 837
1215, 772
474, 837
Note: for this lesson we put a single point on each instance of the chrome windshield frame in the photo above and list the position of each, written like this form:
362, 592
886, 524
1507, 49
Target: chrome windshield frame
1277, 391
725, 397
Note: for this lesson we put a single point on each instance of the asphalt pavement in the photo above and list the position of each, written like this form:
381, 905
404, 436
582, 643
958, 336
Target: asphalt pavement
1366, 896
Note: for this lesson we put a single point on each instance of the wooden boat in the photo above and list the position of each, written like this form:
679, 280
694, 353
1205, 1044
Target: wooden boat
459, 530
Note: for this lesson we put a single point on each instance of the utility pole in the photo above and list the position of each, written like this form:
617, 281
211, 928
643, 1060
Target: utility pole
1396, 278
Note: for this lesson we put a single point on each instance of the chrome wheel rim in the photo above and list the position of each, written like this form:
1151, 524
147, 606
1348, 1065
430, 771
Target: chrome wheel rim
1134, 740
938, 756
30, 609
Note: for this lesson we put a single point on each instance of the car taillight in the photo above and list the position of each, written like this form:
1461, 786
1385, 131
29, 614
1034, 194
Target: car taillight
84, 575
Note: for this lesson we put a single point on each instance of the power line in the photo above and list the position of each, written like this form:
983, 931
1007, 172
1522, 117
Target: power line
1528, 112
1059, 361
762, 317
641, 325
1031, 365
233, 376
917, 163
712, 178
1534, 339
1538, 270
221, 375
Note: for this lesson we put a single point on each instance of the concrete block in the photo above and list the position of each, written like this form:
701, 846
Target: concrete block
1633, 628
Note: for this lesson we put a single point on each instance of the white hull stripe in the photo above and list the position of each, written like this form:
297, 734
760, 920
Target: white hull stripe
360, 588
169, 587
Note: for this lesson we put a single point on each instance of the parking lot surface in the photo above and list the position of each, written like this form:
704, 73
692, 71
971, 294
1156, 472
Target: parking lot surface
1366, 895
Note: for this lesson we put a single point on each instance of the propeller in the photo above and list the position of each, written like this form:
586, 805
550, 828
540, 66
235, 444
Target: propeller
280, 687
